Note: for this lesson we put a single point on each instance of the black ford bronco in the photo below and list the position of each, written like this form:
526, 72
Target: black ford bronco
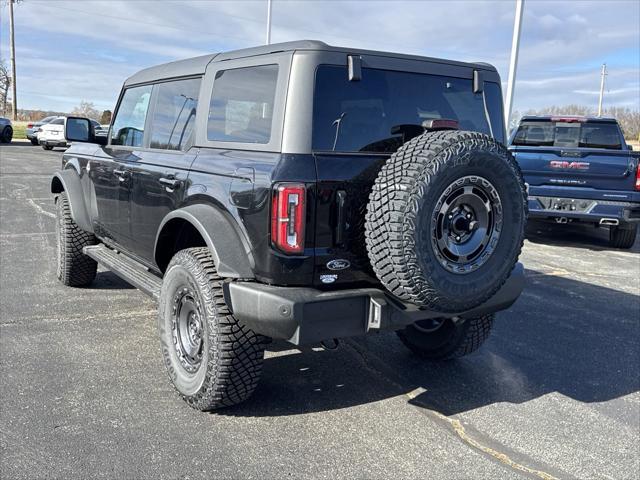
303, 192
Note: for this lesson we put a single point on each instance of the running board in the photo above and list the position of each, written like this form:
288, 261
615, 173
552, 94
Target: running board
126, 268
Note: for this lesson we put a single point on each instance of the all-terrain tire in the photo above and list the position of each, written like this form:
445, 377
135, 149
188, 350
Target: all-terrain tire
7, 135
623, 237
405, 203
74, 268
451, 340
225, 369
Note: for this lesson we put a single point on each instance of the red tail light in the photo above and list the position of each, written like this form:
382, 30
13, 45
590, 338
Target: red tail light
29, 125
288, 217
638, 176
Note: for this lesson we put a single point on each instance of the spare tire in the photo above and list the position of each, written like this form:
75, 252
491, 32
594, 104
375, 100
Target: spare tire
445, 220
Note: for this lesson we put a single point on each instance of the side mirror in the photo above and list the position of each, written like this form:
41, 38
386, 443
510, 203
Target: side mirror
79, 129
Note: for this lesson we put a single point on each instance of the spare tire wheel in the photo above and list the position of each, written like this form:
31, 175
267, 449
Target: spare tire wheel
445, 220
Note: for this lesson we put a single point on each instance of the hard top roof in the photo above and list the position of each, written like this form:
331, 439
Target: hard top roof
560, 118
198, 65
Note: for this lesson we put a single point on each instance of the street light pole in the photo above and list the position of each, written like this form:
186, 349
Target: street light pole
513, 63
268, 22
603, 74
12, 45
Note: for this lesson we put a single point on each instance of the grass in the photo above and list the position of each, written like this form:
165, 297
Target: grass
19, 130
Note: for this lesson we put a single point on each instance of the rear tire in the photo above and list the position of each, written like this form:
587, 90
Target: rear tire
213, 360
444, 339
74, 268
7, 135
623, 236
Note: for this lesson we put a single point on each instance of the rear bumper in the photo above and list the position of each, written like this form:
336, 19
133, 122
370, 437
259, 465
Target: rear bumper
307, 315
52, 143
584, 210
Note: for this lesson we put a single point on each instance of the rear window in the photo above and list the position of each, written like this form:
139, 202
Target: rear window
360, 116
568, 134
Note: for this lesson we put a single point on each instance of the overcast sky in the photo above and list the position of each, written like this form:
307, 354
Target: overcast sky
75, 50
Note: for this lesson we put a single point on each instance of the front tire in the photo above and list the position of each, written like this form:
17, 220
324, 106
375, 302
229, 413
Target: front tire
623, 236
74, 268
212, 360
47, 147
446, 339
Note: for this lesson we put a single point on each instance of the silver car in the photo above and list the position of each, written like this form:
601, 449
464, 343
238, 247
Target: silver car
33, 127
6, 130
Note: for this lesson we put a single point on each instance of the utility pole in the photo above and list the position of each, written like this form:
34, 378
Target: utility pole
12, 44
268, 22
513, 63
603, 74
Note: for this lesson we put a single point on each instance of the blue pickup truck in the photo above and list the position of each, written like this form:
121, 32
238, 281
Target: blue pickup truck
580, 169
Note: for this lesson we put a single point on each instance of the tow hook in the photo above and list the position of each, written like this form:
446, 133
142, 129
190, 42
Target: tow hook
328, 346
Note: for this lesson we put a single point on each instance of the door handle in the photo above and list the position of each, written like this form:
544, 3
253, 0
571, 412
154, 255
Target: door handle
170, 182
122, 174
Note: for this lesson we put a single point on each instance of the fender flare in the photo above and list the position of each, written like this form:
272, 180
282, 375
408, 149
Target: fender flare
68, 181
230, 251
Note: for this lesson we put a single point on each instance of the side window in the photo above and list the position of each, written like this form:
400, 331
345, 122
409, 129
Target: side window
241, 108
128, 126
57, 121
174, 114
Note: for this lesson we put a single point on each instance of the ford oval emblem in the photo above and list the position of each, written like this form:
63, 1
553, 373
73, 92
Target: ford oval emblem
338, 264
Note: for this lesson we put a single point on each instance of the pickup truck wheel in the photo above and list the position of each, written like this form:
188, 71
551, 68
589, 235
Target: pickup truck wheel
623, 236
74, 268
445, 220
212, 359
445, 339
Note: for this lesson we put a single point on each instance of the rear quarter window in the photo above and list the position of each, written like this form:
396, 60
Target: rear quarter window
242, 103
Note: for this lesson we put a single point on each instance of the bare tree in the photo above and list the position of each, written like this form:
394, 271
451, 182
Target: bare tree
5, 83
86, 109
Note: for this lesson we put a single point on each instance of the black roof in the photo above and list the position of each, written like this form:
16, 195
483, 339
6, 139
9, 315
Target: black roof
575, 118
198, 65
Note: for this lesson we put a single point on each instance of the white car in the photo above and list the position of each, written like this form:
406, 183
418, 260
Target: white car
51, 134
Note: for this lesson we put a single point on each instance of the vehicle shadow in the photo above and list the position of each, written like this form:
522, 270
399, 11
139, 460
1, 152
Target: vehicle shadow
562, 335
108, 280
573, 235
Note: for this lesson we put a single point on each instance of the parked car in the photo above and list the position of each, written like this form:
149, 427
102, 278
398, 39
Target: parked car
6, 130
381, 197
51, 134
580, 169
33, 127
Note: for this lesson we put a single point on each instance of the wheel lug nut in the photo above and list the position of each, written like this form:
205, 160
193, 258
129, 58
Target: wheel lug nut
468, 215
450, 216
457, 239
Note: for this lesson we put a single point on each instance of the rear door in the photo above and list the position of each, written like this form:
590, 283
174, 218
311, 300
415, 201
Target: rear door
159, 175
572, 152
354, 135
110, 170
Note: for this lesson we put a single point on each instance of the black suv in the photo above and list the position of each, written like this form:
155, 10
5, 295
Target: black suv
303, 192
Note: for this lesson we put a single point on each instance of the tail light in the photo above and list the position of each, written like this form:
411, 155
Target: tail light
288, 217
29, 125
638, 176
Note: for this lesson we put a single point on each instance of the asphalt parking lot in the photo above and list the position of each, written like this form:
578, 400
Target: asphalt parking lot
553, 393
